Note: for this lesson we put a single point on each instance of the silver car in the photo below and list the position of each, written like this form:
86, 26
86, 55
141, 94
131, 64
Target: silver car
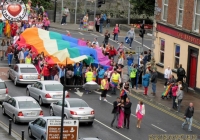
22, 109
74, 109
23, 74
89, 138
3, 91
46, 92
38, 127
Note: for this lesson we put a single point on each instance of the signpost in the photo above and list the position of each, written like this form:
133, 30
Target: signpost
70, 129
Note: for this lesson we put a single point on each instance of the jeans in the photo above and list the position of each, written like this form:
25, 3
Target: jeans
174, 104
80, 25
154, 87
116, 115
52, 77
46, 28
108, 25
179, 104
101, 28
126, 119
129, 70
188, 120
114, 90
64, 20
166, 80
131, 41
10, 56
115, 37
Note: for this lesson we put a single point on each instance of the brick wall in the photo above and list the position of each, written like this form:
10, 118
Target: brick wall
158, 17
188, 14
172, 12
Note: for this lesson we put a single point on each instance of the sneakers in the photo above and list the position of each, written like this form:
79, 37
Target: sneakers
100, 98
105, 100
130, 47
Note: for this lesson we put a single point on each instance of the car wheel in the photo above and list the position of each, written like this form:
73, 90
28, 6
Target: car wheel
8, 74
42, 138
3, 111
15, 82
65, 117
30, 133
27, 92
51, 112
14, 119
90, 123
40, 101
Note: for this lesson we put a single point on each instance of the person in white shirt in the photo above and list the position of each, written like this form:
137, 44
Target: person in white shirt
96, 42
21, 56
167, 74
140, 112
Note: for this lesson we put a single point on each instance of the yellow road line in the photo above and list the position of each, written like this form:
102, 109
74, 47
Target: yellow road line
163, 110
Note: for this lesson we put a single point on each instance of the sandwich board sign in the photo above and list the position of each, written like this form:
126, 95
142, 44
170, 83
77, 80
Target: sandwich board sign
70, 129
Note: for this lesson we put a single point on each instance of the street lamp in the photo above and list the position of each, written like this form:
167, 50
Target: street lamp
55, 6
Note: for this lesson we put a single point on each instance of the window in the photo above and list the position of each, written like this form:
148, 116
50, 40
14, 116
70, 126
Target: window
176, 56
77, 103
162, 50
165, 10
54, 87
197, 16
28, 70
180, 12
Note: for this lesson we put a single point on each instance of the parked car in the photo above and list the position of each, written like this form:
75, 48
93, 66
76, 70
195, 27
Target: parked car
89, 138
3, 91
23, 74
46, 92
38, 127
22, 109
74, 109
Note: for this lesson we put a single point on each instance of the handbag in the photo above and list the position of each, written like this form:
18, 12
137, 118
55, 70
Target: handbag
127, 40
176, 101
42, 78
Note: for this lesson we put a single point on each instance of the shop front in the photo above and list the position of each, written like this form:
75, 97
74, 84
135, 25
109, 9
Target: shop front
174, 47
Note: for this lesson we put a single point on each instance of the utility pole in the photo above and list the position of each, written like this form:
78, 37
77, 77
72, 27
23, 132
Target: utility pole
61, 9
75, 12
129, 11
95, 10
143, 35
55, 6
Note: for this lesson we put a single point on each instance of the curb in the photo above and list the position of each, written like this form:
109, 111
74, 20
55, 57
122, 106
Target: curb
179, 114
14, 134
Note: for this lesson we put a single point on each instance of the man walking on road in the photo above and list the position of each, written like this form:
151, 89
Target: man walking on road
131, 36
115, 110
189, 116
127, 113
154, 76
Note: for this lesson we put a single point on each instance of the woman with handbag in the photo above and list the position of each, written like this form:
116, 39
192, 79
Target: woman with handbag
121, 115
140, 112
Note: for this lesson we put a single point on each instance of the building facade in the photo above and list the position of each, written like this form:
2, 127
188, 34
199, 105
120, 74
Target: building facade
177, 38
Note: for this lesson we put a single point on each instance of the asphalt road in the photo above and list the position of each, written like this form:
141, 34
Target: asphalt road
154, 122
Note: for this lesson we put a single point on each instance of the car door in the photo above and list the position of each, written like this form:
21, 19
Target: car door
10, 107
39, 91
33, 89
35, 126
40, 129
11, 71
57, 108
15, 72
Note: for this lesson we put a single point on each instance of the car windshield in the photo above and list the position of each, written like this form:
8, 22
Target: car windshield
77, 103
2, 85
54, 87
28, 70
28, 104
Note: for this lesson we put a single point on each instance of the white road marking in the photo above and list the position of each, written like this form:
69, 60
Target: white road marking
141, 43
80, 33
117, 43
94, 35
113, 130
158, 128
79, 93
112, 104
0, 106
100, 93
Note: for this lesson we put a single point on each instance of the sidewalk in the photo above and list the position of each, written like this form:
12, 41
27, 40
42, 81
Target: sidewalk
167, 103
75, 27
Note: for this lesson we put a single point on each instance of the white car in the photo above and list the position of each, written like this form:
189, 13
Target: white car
23, 74
46, 92
3, 91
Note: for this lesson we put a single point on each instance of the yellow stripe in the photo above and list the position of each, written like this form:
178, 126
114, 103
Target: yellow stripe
163, 110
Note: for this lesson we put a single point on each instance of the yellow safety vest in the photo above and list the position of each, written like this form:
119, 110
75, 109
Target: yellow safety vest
104, 83
133, 73
28, 60
89, 76
115, 77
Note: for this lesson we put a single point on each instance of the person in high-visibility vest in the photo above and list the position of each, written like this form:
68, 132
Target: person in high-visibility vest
28, 59
89, 77
115, 80
133, 74
104, 88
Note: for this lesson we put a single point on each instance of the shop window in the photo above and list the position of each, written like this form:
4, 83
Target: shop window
180, 12
165, 10
176, 56
197, 15
162, 50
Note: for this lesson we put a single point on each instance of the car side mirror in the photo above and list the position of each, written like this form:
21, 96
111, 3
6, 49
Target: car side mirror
32, 123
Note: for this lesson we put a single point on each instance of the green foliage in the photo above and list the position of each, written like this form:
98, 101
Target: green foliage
143, 7
47, 4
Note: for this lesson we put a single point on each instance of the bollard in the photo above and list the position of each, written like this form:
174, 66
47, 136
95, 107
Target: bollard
10, 126
22, 134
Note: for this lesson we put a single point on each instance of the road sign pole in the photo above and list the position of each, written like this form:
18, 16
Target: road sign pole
75, 12
63, 103
95, 10
143, 37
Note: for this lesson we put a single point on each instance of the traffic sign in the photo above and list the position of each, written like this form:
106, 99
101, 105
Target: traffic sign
70, 129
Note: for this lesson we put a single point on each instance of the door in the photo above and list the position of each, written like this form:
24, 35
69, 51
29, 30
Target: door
33, 89
57, 108
193, 70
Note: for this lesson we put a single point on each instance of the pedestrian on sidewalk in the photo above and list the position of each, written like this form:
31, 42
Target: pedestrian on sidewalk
127, 113
104, 88
145, 82
180, 98
180, 73
131, 36
9, 54
116, 32
167, 74
133, 75
108, 22
130, 60
97, 23
174, 94
121, 115
115, 111
140, 112
149, 56
101, 24
140, 73
189, 116
81, 23
64, 16
154, 76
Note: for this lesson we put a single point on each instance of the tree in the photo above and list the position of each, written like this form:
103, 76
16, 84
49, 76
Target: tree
47, 4
143, 7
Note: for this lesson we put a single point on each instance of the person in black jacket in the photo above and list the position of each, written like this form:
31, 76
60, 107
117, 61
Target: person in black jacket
106, 38
115, 110
101, 24
188, 116
127, 113
180, 73
154, 76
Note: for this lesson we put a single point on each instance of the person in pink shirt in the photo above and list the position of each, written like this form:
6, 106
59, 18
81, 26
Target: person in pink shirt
46, 22
116, 32
174, 93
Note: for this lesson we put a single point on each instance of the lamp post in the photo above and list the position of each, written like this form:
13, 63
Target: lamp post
75, 12
55, 6
95, 9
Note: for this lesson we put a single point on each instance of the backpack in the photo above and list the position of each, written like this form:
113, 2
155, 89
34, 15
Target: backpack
182, 72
